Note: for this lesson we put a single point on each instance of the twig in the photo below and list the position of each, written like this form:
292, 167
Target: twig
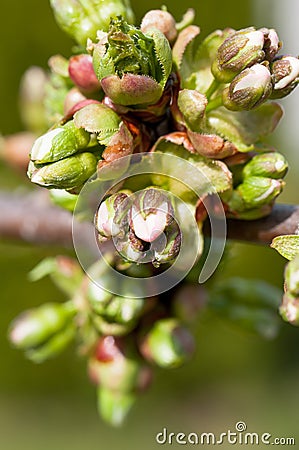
32, 218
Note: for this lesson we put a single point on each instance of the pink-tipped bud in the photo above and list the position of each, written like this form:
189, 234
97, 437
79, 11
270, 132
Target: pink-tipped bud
82, 73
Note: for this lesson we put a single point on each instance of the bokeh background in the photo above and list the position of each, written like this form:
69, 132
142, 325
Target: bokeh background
234, 376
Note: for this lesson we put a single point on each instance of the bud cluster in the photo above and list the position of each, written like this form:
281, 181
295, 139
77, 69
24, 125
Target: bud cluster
248, 61
142, 225
123, 337
260, 182
153, 88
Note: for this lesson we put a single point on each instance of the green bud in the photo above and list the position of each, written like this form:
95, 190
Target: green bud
124, 310
239, 51
35, 326
292, 276
249, 89
104, 327
192, 105
272, 165
59, 143
63, 199
168, 344
285, 74
98, 297
132, 67
255, 192
114, 309
53, 347
68, 173
249, 304
81, 19
114, 406
64, 271
100, 119
289, 309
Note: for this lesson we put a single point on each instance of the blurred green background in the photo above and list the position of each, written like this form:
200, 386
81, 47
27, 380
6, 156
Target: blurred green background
233, 377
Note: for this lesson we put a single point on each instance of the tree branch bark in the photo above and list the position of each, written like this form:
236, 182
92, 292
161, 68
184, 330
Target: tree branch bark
32, 218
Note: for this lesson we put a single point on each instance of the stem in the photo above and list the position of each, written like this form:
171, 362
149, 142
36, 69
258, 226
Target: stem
213, 104
212, 88
32, 218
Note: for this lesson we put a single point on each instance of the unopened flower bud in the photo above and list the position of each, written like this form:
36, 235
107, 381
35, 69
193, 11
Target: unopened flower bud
272, 165
168, 344
73, 98
53, 347
114, 406
101, 120
150, 214
292, 276
82, 19
271, 44
111, 216
104, 327
32, 95
64, 271
289, 309
82, 73
69, 173
115, 364
239, 51
285, 74
162, 20
170, 243
249, 89
258, 191
130, 247
192, 105
124, 310
35, 326
115, 309
59, 143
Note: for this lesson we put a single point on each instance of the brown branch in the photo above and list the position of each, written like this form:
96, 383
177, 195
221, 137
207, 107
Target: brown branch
284, 219
32, 218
